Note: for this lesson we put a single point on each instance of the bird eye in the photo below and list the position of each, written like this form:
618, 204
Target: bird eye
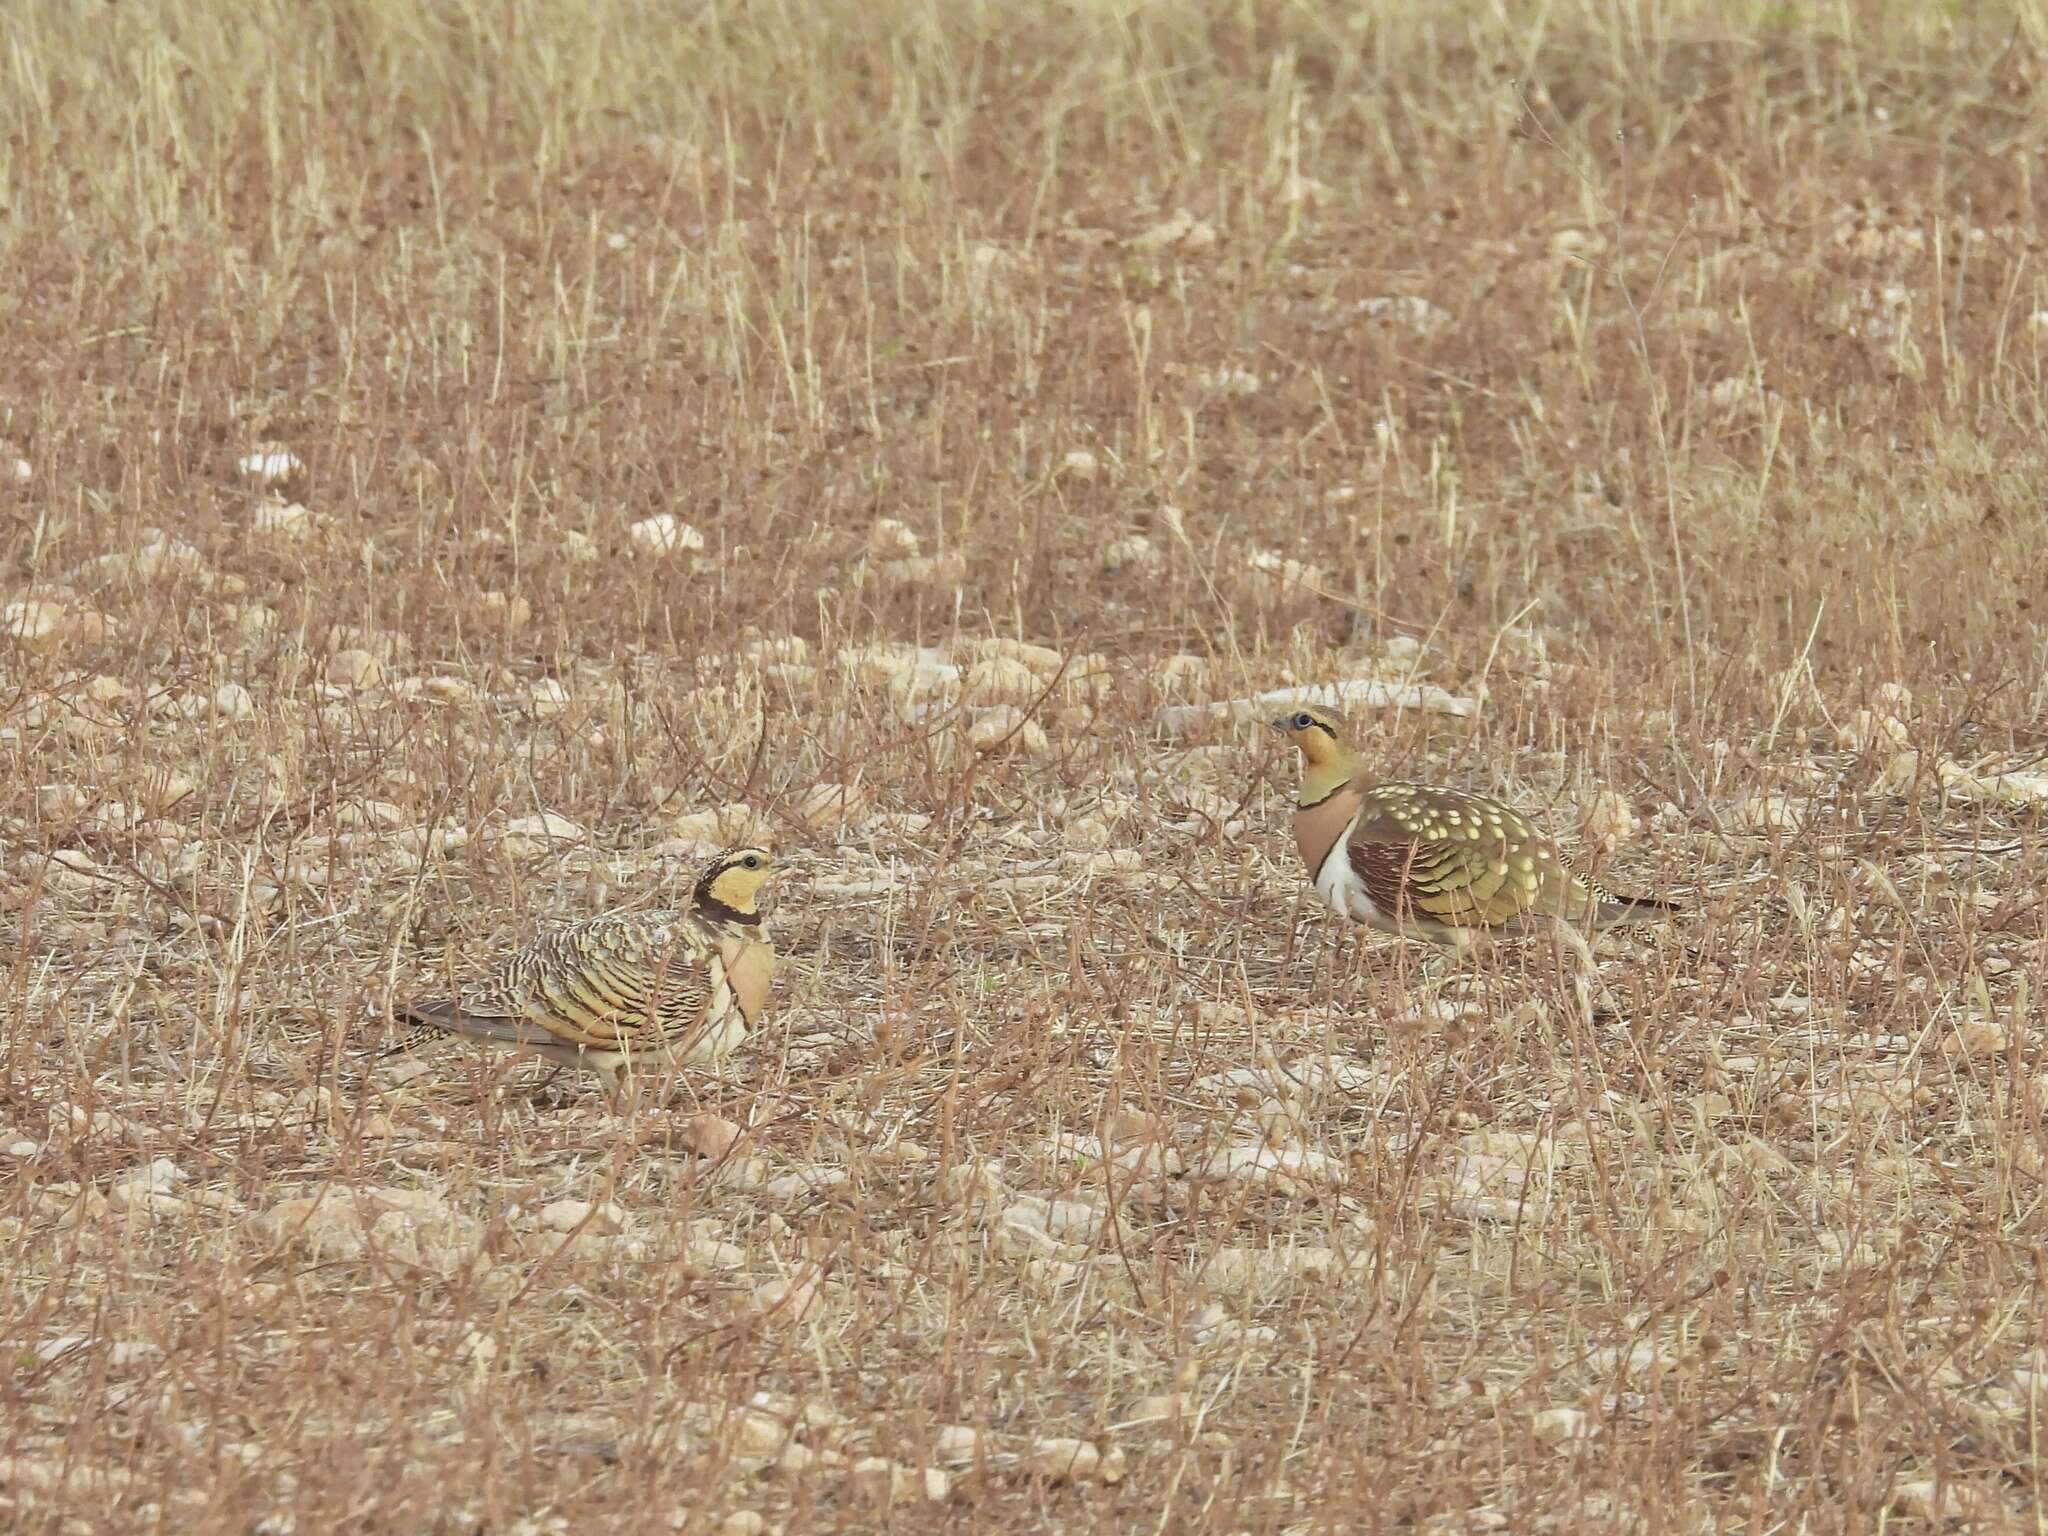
752, 861
1304, 720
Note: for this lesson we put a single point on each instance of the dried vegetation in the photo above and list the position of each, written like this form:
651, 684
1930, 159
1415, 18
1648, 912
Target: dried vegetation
461, 462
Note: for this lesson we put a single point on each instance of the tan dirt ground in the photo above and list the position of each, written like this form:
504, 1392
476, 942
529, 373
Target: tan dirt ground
465, 462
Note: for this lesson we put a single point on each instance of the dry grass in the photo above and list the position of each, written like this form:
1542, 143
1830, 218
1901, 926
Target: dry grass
1673, 379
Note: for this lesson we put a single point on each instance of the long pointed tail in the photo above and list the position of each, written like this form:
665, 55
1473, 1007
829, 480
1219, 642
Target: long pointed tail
430, 1022
1634, 909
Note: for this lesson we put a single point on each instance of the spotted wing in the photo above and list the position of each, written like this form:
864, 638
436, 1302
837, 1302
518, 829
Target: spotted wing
611, 983
1465, 861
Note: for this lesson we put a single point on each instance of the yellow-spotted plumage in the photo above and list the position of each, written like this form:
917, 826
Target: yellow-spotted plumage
1433, 863
630, 992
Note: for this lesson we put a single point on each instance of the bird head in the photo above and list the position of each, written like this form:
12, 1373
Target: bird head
735, 879
1318, 732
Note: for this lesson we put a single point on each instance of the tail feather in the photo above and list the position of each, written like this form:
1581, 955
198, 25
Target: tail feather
430, 1022
436, 1020
1634, 909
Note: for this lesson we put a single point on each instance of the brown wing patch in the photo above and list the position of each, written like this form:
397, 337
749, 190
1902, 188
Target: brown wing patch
607, 984
1465, 861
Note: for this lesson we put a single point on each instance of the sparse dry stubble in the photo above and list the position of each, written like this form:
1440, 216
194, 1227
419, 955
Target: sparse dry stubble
436, 440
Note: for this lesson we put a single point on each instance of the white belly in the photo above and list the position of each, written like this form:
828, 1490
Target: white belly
724, 1029
1338, 884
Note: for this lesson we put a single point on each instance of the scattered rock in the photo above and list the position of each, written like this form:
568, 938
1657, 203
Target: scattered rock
354, 669
889, 539
509, 610
1768, 813
402, 1226
666, 534
1290, 1168
709, 831
888, 1482
2014, 788
1242, 1270
153, 1185
1066, 1460
1007, 728
1042, 661
924, 571
61, 802
570, 1215
1040, 1221
710, 1135
779, 650
1281, 576
545, 827
231, 701
286, 521
1183, 229
924, 688
1560, 1426
827, 805
1133, 552
1950, 1502
1356, 693
1416, 314
804, 1183
271, 462
789, 1300
42, 624
158, 555
1610, 820
1001, 680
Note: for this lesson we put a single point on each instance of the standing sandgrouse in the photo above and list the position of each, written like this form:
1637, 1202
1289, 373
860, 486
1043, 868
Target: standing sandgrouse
634, 991
1434, 863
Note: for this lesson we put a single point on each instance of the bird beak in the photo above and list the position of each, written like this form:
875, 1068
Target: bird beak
1279, 723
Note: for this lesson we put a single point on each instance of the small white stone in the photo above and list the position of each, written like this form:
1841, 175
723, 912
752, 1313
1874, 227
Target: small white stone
1559, 1426
547, 826
923, 688
666, 534
567, 1215
355, 669
477, 1347
1610, 820
283, 520
271, 462
946, 570
1065, 1460
889, 539
61, 802
1287, 1167
788, 1301
231, 701
34, 624
1006, 728
1001, 680
1158, 1409
1132, 552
